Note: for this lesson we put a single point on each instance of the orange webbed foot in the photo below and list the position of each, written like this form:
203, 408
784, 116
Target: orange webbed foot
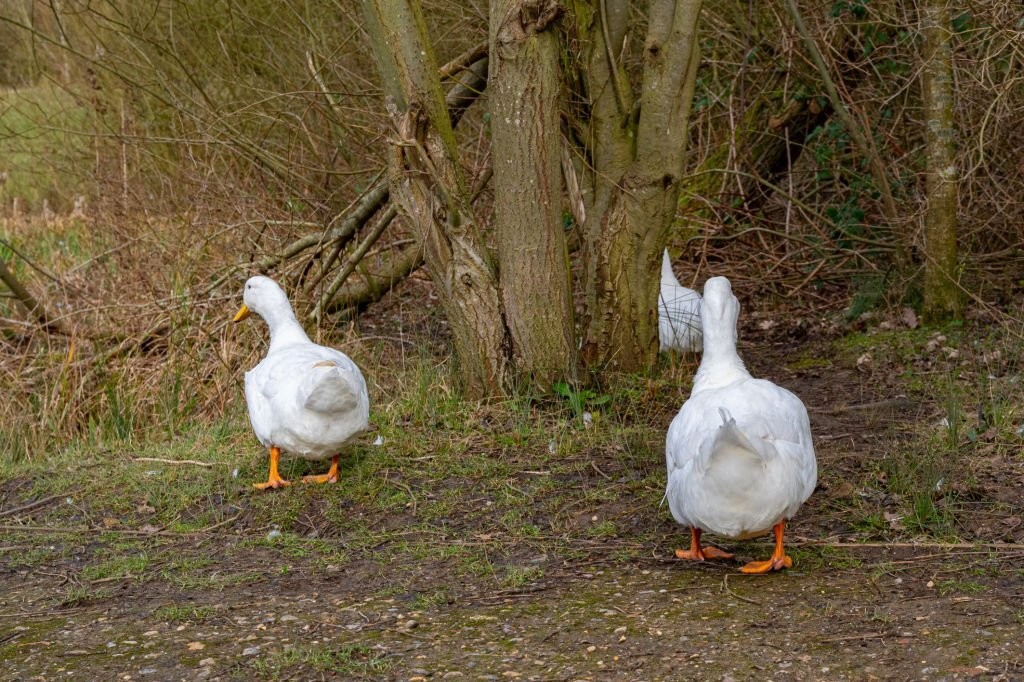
703, 553
320, 478
699, 553
330, 477
274, 480
272, 484
778, 560
773, 564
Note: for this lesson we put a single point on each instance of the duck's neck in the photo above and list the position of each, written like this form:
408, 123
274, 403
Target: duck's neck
285, 330
720, 364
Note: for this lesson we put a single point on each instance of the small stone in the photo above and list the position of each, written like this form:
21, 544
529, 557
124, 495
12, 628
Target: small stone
410, 624
206, 662
287, 618
148, 671
591, 649
619, 630
452, 674
196, 646
250, 651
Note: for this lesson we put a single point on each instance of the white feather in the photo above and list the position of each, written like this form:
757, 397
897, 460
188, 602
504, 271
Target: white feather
306, 399
679, 325
739, 453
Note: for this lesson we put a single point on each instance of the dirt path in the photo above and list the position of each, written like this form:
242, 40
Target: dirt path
483, 548
889, 618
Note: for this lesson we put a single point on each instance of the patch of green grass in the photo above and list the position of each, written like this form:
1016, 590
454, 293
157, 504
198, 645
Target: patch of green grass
897, 346
42, 153
808, 362
946, 587
293, 546
81, 595
520, 576
429, 600
118, 567
183, 614
349, 659
812, 557
603, 529
871, 523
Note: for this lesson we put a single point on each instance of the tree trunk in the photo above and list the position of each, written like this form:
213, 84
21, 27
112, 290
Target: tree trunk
638, 164
524, 103
941, 283
428, 183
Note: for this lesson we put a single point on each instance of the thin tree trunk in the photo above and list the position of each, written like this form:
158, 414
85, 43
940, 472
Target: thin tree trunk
524, 103
941, 290
430, 188
638, 163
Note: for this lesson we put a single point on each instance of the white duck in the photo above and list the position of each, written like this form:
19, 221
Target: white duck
739, 453
305, 399
678, 313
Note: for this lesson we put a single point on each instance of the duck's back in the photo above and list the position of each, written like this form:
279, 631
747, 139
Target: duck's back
307, 399
716, 485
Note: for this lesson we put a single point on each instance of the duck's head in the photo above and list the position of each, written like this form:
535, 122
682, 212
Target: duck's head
719, 307
262, 296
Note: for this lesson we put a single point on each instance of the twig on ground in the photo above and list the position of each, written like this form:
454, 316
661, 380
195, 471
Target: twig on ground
119, 531
161, 460
1005, 546
31, 505
725, 584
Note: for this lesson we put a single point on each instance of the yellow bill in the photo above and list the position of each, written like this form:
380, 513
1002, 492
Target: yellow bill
242, 313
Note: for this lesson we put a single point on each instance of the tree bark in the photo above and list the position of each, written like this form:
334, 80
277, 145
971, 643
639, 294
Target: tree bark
638, 160
524, 102
431, 191
942, 299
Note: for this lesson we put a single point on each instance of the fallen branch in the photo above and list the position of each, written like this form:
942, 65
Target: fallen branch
161, 460
951, 546
34, 307
31, 505
354, 296
118, 531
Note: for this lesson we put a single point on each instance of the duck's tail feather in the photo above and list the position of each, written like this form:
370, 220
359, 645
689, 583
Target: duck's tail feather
329, 388
732, 444
667, 275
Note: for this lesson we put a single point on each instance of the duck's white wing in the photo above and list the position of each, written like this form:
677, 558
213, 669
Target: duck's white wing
770, 413
307, 399
738, 479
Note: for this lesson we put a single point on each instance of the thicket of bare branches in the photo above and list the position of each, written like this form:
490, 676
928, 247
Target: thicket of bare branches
213, 139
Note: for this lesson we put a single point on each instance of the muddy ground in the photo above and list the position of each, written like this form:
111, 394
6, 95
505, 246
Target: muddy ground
592, 594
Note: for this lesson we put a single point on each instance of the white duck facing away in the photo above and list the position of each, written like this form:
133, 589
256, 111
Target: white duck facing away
305, 399
679, 325
739, 453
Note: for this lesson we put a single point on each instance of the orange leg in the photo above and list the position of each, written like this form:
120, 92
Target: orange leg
778, 561
330, 477
274, 479
698, 553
